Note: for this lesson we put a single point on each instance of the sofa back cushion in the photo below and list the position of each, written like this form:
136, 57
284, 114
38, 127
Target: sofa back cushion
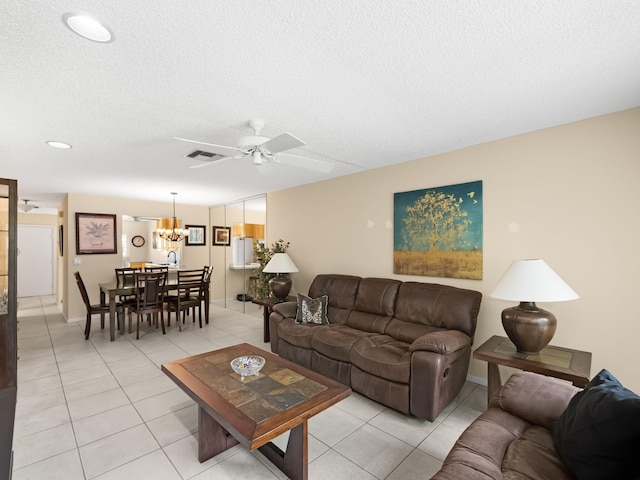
439, 307
374, 305
377, 296
341, 291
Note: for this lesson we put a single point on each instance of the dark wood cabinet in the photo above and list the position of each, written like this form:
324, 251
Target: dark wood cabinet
8, 320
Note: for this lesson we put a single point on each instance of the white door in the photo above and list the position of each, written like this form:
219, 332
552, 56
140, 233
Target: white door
36, 250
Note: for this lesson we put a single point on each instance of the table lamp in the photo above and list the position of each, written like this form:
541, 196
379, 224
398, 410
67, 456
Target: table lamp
280, 285
528, 281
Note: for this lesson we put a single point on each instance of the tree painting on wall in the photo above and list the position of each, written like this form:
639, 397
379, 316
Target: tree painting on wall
438, 231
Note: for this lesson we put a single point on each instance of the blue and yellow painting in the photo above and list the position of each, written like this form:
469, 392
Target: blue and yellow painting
438, 231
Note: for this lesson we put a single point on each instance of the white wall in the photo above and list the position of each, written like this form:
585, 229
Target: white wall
567, 194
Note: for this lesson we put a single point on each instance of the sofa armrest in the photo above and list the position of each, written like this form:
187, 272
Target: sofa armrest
536, 398
280, 312
286, 309
443, 342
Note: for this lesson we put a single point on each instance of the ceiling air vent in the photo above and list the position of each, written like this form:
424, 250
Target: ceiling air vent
201, 153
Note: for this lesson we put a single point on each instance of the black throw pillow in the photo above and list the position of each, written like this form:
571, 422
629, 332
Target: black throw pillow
598, 435
312, 310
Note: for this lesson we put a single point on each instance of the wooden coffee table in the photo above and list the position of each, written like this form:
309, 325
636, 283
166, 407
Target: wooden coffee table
257, 409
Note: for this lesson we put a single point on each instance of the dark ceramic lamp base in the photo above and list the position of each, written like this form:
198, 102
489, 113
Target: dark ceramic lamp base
280, 286
529, 328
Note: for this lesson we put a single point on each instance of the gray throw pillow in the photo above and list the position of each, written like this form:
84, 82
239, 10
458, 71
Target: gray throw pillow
312, 310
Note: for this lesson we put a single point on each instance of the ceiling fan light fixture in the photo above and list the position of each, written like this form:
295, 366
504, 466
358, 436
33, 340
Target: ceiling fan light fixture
27, 207
257, 157
88, 27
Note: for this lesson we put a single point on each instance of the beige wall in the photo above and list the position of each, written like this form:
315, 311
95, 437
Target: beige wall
568, 195
96, 269
37, 219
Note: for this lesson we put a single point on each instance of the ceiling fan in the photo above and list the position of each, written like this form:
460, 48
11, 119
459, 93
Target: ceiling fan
27, 207
261, 149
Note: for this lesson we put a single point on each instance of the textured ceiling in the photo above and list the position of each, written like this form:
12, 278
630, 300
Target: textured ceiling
364, 84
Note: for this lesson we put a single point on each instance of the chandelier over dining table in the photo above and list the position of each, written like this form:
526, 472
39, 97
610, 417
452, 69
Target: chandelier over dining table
170, 228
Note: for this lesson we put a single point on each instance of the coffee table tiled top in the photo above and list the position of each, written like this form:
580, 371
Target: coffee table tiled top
259, 397
257, 408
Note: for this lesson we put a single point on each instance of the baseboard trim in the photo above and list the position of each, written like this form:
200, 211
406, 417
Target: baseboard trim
478, 380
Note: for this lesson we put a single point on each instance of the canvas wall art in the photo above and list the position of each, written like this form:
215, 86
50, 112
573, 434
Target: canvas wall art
438, 231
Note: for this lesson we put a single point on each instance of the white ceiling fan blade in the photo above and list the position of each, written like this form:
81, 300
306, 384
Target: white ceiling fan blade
209, 162
281, 143
219, 149
212, 162
305, 162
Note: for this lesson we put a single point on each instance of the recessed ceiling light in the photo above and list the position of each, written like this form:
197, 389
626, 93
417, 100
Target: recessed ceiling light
87, 27
53, 143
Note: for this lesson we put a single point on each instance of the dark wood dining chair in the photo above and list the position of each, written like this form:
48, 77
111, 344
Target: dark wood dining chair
125, 277
156, 269
206, 291
94, 309
149, 299
190, 291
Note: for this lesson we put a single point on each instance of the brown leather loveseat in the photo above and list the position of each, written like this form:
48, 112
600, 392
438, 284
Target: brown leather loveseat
542, 428
406, 345
513, 438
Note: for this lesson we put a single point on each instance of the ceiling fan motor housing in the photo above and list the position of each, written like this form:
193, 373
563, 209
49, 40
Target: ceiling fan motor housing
251, 141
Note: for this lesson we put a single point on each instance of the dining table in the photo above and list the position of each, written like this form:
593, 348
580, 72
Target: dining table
113, 291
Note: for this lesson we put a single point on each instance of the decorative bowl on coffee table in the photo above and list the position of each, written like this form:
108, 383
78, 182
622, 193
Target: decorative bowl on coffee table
247, 365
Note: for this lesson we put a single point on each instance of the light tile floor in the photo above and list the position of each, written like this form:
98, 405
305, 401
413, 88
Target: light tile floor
103, 410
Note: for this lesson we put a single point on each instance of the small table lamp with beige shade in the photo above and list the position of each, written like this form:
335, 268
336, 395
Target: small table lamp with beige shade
280, 285
528, 281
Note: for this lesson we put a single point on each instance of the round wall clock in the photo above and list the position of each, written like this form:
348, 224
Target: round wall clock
137, 241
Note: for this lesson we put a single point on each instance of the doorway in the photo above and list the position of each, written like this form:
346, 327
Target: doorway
36, 253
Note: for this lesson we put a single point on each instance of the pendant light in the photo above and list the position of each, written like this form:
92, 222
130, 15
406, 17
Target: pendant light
169, 228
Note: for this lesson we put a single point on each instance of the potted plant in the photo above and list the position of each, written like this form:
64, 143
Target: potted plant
263, 255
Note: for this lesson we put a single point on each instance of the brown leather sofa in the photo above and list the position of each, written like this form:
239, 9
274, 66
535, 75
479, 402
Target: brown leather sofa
513, 439
406, 345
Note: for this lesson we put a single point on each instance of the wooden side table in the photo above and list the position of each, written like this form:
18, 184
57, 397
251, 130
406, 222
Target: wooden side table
559, 362
267, 305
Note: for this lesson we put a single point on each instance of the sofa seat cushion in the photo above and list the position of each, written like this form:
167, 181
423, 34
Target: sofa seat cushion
407, 331
499, 445
533, 456
384, 357
297, 334
336, 341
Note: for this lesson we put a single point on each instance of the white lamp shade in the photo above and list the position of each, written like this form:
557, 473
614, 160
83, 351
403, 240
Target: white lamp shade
280, 263
532, 281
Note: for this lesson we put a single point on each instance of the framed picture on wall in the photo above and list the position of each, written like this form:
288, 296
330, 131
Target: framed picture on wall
95, 233
61, 239
222, 236
197, 235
